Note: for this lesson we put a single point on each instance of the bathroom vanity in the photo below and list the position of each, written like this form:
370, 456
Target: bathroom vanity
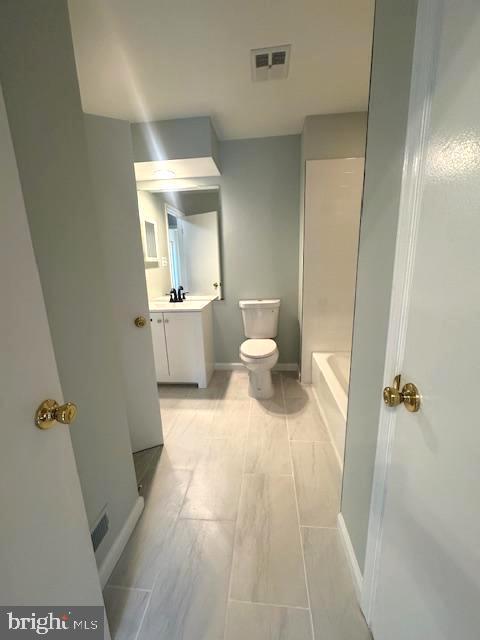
182, 336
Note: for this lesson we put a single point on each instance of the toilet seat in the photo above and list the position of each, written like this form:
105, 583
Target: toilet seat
257, 348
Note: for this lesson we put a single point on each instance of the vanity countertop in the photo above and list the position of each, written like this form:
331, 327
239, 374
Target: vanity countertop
187, 305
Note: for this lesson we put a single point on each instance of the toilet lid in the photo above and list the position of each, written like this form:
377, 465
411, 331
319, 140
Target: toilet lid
258, 348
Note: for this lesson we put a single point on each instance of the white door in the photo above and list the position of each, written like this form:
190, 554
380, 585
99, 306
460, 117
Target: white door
113, 181
428, 558
159, 347
46, 555
201, 253
183, 332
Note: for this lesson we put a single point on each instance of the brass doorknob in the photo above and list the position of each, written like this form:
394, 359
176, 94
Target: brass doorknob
140, 321
409, 395
50, 412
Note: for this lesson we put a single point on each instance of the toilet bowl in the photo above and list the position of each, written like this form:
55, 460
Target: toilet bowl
260, 353
259, 356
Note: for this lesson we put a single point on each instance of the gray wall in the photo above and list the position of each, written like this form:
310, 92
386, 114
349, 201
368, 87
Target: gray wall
335, 135
259, 201
38, 75
390, 86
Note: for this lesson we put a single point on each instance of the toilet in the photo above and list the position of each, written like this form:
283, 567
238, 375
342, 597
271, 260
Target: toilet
259, 353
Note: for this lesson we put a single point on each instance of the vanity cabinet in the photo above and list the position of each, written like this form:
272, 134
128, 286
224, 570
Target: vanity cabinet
183, 346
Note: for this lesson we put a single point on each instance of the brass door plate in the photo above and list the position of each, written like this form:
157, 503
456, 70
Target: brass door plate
411, 397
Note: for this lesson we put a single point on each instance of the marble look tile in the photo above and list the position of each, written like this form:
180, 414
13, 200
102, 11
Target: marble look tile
124, 608
219, 377
268, 448
235, 386
292, 388
304, 420
139, 562
230, 419
215, 486
317, 480
274, 405
189, 598
185, 440
184, 453
203, 399
169, 415
336, 614
189, 422
263, 622
268, 565
166, 391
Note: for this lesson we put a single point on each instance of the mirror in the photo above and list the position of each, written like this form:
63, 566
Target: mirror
181, 241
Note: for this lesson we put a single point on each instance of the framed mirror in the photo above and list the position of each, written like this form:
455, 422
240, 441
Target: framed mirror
181, 241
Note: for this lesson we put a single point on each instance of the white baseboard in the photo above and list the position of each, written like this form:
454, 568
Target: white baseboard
286, 366
231, 366
351, 557
111, 559
228, 366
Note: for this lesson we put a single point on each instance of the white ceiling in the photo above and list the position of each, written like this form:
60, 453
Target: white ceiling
143, 60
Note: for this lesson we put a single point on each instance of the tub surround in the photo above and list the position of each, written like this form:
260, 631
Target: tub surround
333, 196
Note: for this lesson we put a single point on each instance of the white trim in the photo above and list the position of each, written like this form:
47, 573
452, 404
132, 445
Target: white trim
228, 366
173, 211
115, 551
231, 366
351, 557
425, 55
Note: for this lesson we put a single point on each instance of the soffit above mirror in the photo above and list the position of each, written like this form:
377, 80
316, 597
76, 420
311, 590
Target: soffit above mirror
167, 171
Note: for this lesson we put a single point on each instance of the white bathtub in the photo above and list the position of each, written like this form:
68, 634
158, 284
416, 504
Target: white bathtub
330, 379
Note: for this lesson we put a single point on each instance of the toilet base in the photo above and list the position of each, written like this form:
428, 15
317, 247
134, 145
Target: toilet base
260, 384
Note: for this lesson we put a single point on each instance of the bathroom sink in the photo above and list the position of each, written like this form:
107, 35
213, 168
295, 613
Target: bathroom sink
186, 305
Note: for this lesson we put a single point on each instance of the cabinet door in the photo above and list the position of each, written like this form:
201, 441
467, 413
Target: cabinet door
159, 347
184, 344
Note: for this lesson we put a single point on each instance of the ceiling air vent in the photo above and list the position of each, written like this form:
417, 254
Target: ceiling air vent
270, 63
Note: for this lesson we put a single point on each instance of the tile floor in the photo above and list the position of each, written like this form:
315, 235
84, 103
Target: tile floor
238, 538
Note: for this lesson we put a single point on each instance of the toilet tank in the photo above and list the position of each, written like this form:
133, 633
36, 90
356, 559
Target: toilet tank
260, 317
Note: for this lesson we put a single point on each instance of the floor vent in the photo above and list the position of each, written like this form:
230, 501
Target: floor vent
271, 63
100, 531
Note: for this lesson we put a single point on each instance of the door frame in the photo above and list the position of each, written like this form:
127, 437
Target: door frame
425, 57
